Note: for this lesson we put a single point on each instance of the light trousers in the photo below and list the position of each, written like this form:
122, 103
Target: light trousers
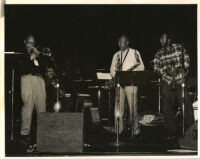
33, 93
131, 94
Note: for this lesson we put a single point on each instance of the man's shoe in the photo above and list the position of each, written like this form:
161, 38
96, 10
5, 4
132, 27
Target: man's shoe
31, 148
136, 138
24, 143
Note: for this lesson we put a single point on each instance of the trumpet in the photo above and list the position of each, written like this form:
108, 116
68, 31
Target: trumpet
36, 51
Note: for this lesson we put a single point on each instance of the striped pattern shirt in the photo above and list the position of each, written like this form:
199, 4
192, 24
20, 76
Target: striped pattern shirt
168, 63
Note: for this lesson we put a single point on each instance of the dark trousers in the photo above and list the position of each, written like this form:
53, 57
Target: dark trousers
171, 100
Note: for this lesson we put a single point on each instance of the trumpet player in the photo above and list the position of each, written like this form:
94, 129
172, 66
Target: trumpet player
126, 59
33, 91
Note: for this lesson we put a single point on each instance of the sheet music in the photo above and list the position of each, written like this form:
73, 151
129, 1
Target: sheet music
103, 76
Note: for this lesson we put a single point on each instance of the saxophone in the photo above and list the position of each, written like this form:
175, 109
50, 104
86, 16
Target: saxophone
118, 65
112, 83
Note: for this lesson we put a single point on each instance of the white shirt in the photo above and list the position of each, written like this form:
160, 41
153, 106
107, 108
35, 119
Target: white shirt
132, 58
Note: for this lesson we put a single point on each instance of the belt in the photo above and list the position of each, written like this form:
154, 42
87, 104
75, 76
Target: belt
34, 74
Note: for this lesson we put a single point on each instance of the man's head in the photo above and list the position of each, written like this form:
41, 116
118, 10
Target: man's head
29, 41
123, 42
165, 40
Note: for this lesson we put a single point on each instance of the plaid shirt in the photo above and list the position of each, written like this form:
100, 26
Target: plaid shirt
168, 63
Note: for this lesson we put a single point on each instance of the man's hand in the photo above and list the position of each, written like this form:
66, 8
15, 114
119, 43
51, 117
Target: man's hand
34, 53
161, 71
33, 56
35, 50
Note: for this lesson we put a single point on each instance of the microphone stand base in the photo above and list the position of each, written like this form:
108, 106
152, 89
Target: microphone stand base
117, 144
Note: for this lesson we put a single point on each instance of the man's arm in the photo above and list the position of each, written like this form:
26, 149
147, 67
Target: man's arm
158, 64
186, 59
139, 61
113, 65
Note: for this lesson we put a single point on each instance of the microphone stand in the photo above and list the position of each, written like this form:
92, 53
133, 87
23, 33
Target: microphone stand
117, 142
159, 106
183, 93
57, 105
12, 93
12, 104
183, 106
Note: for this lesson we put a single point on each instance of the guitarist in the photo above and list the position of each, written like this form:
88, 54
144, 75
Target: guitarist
126, 59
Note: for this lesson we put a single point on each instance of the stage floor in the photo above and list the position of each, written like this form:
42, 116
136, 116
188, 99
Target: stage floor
98, 138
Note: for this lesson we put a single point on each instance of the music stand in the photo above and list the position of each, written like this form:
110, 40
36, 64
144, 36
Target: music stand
129, 78
134, 78
102, 77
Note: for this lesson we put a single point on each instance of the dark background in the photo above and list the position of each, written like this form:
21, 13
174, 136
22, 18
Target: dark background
86, 35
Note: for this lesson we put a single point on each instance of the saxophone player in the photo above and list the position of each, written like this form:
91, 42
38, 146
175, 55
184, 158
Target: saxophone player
123, 60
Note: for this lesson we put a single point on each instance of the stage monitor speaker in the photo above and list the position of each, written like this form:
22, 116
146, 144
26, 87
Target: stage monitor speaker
60, 132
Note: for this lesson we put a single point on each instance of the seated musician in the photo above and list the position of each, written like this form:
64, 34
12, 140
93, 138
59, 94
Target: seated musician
127, 59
